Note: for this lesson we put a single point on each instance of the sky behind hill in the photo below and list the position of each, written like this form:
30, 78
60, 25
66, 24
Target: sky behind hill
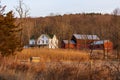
45, 7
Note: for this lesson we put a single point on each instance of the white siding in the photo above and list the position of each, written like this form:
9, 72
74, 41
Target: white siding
47, 41
53, 43
43, 40
32, 42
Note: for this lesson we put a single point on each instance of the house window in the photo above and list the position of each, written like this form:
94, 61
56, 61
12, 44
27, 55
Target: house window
38, 42
47, 41
33, 43
42, 41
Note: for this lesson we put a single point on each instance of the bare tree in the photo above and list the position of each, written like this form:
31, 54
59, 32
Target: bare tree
115, 30
22, 9
2, 9
23, 12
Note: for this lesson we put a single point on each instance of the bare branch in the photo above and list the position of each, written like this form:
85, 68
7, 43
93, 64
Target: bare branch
22, 9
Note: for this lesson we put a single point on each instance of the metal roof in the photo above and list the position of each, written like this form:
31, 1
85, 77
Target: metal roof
99, 42
71, 41
91, 37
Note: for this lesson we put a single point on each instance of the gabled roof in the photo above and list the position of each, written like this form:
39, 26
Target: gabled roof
71, 41
32, 37
50, 36
90, 37
44, 35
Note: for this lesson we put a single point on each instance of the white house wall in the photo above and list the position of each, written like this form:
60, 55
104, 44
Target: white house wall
53, 43
32, 42
43, 40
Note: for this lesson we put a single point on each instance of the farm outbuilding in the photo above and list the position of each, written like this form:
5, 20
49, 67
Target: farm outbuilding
83, 41
68, 44
106, 45
32, 43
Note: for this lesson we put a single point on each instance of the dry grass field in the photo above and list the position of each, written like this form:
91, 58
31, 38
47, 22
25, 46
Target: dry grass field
53, 55
58, 64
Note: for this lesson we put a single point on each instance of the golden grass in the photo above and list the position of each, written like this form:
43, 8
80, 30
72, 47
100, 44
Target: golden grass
55, 66
51, 55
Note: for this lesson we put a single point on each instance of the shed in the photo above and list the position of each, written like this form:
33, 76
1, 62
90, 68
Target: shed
32, 42
102, 44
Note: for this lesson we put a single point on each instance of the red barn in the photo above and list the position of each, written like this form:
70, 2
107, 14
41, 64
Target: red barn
68, 44
83, 41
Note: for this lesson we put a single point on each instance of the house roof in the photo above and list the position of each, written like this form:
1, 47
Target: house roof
91, 37
45, 35
71, 41
99, 42
32, 37
32, 40
50, 36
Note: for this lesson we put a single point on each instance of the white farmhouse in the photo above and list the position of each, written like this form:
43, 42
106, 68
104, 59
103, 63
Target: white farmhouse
49, 41
43, 40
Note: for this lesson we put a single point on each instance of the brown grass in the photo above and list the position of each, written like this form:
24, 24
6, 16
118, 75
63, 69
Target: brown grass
57, 65
50, 55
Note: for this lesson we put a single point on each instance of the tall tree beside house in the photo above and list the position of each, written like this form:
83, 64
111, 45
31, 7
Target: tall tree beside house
9, 39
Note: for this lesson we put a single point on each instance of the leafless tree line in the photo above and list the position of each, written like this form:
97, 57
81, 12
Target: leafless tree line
105, 26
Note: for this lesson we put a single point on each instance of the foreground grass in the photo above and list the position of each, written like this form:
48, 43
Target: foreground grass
99, 70
51, 55
57, 65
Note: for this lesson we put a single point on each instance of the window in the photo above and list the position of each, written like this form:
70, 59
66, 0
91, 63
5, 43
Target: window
42, 36
33, 42
47, 41
43, 41
38, 42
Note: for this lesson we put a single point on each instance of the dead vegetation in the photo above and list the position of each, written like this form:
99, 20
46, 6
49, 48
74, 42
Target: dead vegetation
51, 67
53, 55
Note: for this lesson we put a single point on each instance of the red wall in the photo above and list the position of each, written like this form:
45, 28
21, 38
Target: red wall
71, 46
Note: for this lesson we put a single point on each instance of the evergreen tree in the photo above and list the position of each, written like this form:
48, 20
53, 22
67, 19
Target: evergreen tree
9, 35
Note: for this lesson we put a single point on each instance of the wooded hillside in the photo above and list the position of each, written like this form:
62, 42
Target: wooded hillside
105, 26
